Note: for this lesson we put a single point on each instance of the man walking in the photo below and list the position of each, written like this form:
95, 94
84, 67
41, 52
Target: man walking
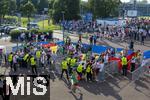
10, 59
33, 65
64, 68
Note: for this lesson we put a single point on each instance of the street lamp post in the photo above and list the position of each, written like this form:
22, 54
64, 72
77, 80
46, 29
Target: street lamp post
43, 19
63, 30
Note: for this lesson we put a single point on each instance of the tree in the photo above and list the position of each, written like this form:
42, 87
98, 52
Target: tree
4, 8
84, 7
50, 10
143, 2
73, 9
36, 3
70, 7
42, 4
58, 7
28, 9
104, 8
12, 6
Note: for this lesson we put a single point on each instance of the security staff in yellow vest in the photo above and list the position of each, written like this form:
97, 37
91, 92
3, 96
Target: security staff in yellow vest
80, 69
124, 65
64, 66
73, 62
38, 56
10, 59
69, 66
25, 58
89, 71
33, 65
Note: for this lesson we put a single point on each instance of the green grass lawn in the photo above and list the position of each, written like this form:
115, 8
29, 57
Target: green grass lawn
147, 17
24, 20
48, 27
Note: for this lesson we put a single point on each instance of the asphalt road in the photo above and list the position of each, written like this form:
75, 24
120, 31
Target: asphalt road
115, 88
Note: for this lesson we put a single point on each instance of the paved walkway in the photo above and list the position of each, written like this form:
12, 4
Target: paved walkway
137, 46
116, 88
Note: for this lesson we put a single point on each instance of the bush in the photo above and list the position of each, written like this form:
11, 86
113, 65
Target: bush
15, 34
33, 31
45, 31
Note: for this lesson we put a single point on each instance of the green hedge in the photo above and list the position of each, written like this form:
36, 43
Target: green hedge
15, 33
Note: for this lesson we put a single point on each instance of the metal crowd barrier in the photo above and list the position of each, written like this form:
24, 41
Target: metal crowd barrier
139, 72
111, 67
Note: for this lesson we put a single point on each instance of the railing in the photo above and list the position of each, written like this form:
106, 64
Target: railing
140, 71
111, 67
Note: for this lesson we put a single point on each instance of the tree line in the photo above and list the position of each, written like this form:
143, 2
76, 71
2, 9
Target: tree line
72, 9
75, 8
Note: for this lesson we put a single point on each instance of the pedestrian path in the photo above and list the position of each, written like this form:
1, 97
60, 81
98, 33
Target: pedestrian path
23, 71
75, 37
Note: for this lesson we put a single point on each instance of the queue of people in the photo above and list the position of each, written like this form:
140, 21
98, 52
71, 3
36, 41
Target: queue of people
135, 29
93, 67
31, 57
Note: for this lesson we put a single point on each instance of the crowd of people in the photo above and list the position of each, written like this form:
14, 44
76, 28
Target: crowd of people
135, 29
30, 58
79, 62
31, 36
79, 65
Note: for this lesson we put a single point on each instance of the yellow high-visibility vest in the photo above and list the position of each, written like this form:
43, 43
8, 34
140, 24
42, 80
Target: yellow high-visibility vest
68, 60
38, 54
88, 69
79, 68
73, 62
124, 61
25, 57
64, 65
32, 60
10, 58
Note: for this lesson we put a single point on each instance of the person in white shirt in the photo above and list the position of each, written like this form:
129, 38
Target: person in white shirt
101, 74
106, 58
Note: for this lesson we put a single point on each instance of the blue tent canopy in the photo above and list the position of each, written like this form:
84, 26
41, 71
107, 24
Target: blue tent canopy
119, 49
43, 43
60, 43
146, 54
15, 48
99, 49
130, 52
